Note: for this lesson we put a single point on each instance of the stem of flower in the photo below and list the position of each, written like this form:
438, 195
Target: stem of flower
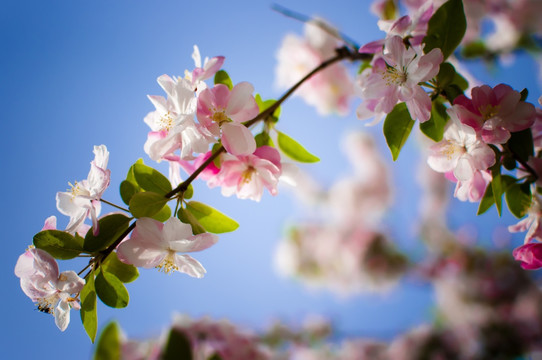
115, 206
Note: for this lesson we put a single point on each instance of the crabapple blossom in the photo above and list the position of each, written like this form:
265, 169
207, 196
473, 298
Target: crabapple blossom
172, 124
43, 284
155, 244
247, 175
205, 71
530, 255
473, 189
460, 151
221, 109
531, 223
329, 90
83, 199
495, 112
394, 77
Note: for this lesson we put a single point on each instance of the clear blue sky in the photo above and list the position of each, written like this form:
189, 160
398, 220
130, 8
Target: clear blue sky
76, 74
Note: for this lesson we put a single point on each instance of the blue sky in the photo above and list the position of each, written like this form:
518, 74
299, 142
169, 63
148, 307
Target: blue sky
76, 74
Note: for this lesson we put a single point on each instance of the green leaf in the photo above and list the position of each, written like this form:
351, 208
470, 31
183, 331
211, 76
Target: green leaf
222, 77
445, 75
263, 139
59, 244
150, 179
294, 150
163, 214
189, 192
434, 127
124, 272
474, 49
460, 81
211, 219
497, 188
487, 201
524, 94
188, 218
177, 347
89, 315
521, 144
264, 105
519, 198
446, 28
110, 228
147, 204
109, 343
451, 92
111, 290
127, 190
397, 128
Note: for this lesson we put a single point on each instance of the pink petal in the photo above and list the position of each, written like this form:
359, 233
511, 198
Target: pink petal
237, 139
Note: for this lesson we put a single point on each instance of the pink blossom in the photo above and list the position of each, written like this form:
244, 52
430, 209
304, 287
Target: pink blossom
530, 255
154, 244
495, 113
208, 69
43, 284
395, 77
473, 190
247, 175
172, 124
222, 109
460, 151
531, 224
329, 90
83, 199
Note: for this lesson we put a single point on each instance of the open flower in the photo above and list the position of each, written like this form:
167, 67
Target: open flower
83, 199
247, 175
460, 151
396, 77
154, 244
51, 290
496, 112
225, 110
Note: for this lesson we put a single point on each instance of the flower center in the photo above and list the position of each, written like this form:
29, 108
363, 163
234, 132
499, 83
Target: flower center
165, 122
452, 149
168, 264
490, 112
219, 116
46, 304
394, 76
247, 174
77, 190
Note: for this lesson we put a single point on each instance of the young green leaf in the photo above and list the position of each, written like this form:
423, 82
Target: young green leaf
111, 227
147, 204
487, 201
211, 219
446, 28
397, 128
222, 77
150, 179
89, 315
124, 272
111, 290
177, 346
60, 244
264, 105
445, 75
163, 214
263, 139
434, 127
108, 346
519, 198
188, 218
127, 190
294, 150
521, 144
